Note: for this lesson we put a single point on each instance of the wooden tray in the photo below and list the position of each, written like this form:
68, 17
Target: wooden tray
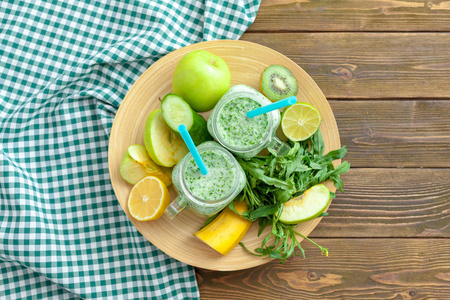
175, 237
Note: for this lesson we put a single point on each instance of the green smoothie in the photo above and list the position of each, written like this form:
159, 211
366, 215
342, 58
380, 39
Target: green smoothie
217, 183
207, 194
236, 129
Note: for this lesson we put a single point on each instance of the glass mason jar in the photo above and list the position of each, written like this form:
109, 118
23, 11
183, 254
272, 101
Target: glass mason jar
243, 136
207, 194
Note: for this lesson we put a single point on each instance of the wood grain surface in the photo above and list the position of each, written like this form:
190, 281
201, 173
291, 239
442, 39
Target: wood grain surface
352, 15
355, 269
387, 134
369, 65
386, 202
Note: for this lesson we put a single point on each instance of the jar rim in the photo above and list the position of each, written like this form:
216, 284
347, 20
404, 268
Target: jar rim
242, 94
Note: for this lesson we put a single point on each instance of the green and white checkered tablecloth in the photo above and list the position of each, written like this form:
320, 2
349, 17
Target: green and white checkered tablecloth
65, 67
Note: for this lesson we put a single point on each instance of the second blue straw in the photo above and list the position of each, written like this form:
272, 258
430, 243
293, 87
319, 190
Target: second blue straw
268, 108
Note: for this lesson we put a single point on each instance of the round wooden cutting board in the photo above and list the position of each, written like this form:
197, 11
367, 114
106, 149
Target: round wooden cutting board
175, 237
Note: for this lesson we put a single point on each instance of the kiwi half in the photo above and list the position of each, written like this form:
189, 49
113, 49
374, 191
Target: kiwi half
278, 82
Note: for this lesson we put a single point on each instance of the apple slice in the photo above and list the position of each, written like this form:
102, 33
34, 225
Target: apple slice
164, 146
307, 206
137, 164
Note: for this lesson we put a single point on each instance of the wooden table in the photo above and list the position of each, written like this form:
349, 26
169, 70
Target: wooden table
384, 66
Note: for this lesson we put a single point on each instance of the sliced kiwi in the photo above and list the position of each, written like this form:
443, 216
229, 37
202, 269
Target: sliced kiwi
278, 82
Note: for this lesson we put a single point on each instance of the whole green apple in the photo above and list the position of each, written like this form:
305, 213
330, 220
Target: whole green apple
201, 78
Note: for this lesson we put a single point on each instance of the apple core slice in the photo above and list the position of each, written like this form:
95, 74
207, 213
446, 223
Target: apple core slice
137, 164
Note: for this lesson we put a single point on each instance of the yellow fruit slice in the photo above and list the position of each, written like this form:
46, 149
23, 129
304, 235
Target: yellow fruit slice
227, 229
148, 199
300, 121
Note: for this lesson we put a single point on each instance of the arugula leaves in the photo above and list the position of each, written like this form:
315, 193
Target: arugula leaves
272, 180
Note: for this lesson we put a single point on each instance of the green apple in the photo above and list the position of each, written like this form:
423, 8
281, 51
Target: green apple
137, 164
164, 146
201, 78
307, 206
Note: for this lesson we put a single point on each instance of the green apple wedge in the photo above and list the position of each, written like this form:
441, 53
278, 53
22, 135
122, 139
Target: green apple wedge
137, 164
164, 146
201, 78
307, 206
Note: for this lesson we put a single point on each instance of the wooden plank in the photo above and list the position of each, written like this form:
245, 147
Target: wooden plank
352, 15
369, 65
355, 269
395, 133
390, 203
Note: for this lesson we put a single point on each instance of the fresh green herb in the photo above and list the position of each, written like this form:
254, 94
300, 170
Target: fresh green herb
286, 242
324, 214
272, 180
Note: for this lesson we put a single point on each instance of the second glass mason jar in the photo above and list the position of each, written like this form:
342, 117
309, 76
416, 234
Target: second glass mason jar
207, 194
245, 137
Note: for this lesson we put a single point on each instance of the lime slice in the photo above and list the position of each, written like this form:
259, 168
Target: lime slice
300, 121
306, 207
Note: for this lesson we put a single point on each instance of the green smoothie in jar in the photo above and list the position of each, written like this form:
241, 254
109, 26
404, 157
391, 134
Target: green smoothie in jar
241, 135
210, 193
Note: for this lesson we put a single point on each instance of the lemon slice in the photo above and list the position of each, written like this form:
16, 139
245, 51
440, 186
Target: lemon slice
148, 199
300, 121
307, 206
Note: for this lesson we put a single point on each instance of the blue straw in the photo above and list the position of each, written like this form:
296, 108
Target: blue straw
268, 108
190, 144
